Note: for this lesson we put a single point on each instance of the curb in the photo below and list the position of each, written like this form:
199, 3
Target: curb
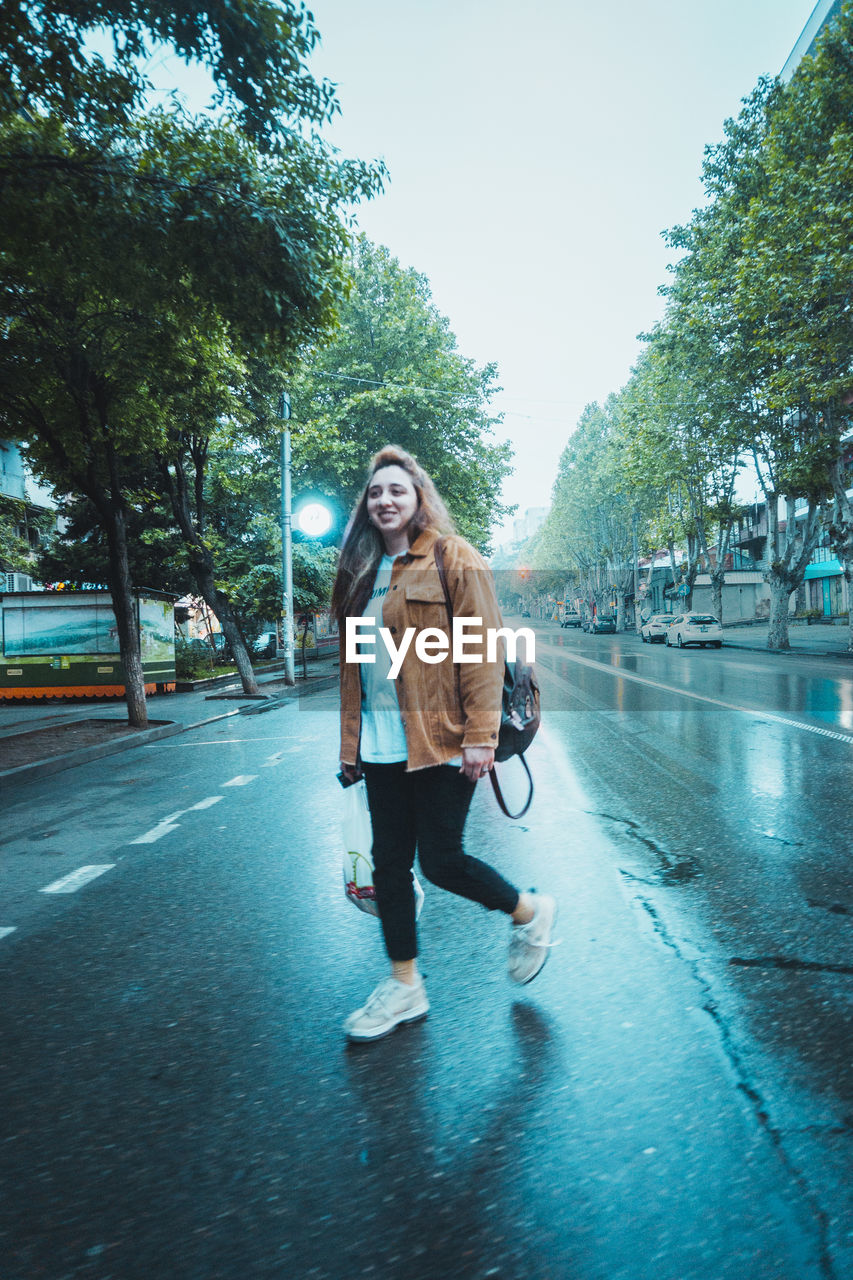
318, 685
168, 729
224, 681
790, 653
56, 764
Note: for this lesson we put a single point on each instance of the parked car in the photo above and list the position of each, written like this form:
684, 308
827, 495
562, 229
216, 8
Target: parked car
216, 640
571, 619
525, 613
266, 645
694, 628
601, 623
654, 629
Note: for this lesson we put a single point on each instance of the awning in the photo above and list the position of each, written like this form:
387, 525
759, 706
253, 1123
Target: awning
825, 569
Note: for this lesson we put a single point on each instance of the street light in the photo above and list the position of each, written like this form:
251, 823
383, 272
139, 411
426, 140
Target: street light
314, 519
286, 544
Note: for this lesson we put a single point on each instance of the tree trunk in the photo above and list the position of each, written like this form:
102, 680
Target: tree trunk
109, 504
716, 566
671, 601
787, 563
124, 607
201, 567
780, 595
841, 536
847, 570
717, 581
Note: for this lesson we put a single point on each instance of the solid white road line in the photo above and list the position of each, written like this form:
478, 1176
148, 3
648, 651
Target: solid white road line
71, 883
218, 742
622, 674
241, 780
5, 930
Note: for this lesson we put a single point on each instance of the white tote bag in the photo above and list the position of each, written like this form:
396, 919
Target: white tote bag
358, 859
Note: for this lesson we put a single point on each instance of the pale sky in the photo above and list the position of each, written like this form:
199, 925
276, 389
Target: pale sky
536, 153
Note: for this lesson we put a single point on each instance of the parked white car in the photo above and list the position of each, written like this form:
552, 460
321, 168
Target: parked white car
694, 628
654, 630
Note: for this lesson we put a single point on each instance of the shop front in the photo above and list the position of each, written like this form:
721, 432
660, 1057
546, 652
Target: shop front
824, 583
65, 644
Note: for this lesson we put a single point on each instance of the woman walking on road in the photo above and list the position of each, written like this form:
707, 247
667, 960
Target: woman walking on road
424, 739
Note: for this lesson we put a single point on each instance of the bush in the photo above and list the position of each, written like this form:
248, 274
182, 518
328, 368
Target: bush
193, 659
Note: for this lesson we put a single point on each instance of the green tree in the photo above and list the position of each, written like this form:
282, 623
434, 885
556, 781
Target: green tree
684, 440
257, 595
23, 529
51, 61
788, 447
391, 373
590, 526
79, 554
794, 277
139, 273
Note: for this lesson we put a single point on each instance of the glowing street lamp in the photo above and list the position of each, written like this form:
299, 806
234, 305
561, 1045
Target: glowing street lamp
314, 519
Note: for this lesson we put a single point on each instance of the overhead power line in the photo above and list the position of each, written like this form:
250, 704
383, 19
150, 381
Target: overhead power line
680, 405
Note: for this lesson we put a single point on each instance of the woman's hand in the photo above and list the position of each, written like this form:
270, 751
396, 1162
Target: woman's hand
350, 772
477, 761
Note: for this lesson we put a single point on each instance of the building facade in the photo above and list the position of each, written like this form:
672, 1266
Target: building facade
23, 504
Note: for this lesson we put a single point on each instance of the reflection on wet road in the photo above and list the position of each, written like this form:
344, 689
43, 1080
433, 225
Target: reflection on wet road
775, 683
672, 1099
723, 779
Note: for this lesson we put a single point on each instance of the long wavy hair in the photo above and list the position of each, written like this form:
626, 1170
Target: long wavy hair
363, 546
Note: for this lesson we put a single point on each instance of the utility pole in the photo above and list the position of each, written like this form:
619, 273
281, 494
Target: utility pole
634, 553
286, 543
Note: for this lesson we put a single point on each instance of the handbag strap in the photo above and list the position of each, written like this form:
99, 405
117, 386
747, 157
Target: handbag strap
438, 553
496, 787
493, 776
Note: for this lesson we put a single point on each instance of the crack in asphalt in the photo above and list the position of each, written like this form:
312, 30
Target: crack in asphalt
826, 1130
749, 1089
837, 908
789, 962
672, 869
768, 835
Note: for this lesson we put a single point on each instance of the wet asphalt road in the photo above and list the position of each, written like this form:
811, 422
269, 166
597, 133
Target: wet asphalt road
670, 1099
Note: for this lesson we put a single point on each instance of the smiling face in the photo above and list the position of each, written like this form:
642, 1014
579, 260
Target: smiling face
392, 500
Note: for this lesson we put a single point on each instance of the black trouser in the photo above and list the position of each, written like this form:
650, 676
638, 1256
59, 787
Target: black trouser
426, 810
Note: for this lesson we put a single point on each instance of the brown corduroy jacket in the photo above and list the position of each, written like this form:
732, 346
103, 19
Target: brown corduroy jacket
444, 707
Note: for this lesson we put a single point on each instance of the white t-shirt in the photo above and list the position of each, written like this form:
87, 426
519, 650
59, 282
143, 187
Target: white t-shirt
383, 738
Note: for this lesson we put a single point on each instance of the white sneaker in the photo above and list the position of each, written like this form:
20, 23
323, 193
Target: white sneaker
530, 943
390, 1004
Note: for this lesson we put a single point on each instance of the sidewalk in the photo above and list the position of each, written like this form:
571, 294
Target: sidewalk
818, 641
34, 736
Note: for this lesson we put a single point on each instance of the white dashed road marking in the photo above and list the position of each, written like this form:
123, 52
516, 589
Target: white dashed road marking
152, 836
241, 780
5, 930
71, 883
170, 823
